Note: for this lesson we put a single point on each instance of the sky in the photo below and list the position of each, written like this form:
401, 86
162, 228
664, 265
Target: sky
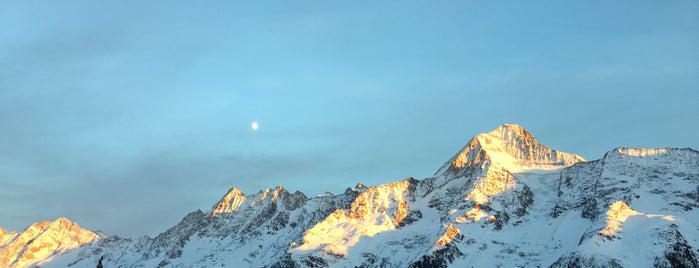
124, 116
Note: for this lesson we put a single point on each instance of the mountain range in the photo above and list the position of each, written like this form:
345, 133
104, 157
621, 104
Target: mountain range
503, 200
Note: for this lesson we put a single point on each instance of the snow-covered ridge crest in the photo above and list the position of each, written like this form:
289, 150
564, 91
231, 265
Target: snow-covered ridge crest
489, 205
652, 153
510, 147
520, 147
375, 210
235, 199
640, 152
43, 240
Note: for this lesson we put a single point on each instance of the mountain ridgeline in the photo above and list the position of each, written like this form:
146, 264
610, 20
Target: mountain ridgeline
504, 200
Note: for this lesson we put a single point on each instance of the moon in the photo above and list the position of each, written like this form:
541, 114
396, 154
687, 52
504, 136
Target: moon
254, 126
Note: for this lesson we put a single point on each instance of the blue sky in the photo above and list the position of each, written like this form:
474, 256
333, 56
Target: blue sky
125, 116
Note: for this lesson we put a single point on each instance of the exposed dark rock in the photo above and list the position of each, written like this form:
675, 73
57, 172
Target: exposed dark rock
439, 258
575, 260
679, 254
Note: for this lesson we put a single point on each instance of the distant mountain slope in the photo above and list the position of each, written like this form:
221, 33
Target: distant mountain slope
504, 200
41, 241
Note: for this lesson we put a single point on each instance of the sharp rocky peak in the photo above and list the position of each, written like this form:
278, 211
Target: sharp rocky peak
235, 200
510, 147
229, 203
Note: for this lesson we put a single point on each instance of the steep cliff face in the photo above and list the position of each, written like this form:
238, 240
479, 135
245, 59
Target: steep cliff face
503, 200
42, 241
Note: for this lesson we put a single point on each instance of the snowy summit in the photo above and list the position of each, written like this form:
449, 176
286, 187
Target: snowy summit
503, 200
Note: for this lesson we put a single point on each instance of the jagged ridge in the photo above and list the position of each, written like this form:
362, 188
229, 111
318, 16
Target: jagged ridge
505, 199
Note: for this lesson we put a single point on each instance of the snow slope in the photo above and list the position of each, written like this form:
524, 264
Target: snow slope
504, 200
42, 241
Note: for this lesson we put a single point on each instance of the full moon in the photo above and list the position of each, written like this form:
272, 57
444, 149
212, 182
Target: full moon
254, 126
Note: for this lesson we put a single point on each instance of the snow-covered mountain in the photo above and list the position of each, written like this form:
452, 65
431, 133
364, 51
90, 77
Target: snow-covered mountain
504, 200
42, 241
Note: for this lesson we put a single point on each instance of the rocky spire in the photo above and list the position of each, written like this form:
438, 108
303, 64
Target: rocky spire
236, 200
229, 203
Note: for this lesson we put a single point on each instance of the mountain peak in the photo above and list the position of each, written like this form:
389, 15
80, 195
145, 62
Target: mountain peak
510, 132
236, 200
42, 240
511, 147
229, 203
490, 206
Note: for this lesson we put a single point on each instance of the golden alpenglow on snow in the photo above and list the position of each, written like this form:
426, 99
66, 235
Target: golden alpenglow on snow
40, 242
504, 199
